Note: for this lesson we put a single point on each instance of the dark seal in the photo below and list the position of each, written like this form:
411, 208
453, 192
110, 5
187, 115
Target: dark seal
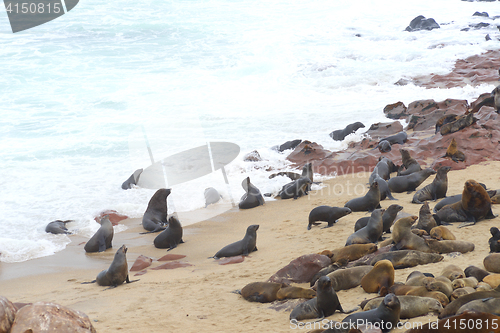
58, 227
155, 216
387, 219
132, 180
326, 214
340, 135
371, 233
117, 273
252, 198
494, 241
102, 238
435, 190
410, 164
385, 167
409, 183
296, 189
383, 187
369, 202
241, 247
171, 236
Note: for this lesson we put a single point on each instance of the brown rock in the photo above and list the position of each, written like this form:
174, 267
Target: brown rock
172, 265
140, 263
231, 260
7, 314
396, 111
50, 317
301, 269
252, 156
171, 256
381, 130
113, 215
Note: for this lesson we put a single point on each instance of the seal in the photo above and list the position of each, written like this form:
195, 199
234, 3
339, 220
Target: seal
449, 246
494, 240
460, 123
347, 278
476, 272
171, 236
155, 217
386, 315
492, 262
441, 284
459, 292
352, 252
262, 292
252, 198
291, 175
486, 319
103, 237
455, 198
369, 202
132, 180
409, 183
58, 227
496, 98
410, 164
296, 188
435, 190
340, 135
290, 292
474, 206
483, 286
307, 172
453, 152
371, 233
405, 239
385, 167
117, 273
398, 138
241, 247
323, 305
327, 214
441, 233
425, 220
387, 219
384, 146
408, 258
381, 275
453, 272
465, 282
453, 307
489, 305
411, 306
211, 196
383, 187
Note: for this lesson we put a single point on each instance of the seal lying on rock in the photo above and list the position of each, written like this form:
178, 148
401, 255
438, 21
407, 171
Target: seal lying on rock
410, 164
340, 135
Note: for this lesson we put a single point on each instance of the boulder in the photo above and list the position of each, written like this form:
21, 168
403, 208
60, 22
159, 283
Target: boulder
301, 269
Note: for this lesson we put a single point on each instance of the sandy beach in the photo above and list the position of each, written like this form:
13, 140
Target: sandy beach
199, 297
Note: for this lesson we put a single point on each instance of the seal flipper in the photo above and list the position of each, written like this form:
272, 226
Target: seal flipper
89, 282
128, 281
102, 243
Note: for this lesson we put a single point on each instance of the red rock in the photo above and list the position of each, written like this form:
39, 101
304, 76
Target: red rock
231, 260
172, 265
252, 156
396, 111
378, 131
114, 216
170, 256
302, 269
51, 317
307, 151
7, 314
141, 272
140, 263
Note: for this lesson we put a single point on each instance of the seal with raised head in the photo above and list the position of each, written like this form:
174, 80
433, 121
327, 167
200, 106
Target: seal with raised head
405, 239
241, 247
252, 198
387, 218
103, 237
369, 202
409, 183
155, 217
474, 206
425, 220
58, 227
295, 189
494, 240
307, 171
381, 275
410, 164
132, 180
383, 187
411, 306
453, 152
371, 233
385, 167
340, 135
386, 315
435, 190
171, 236
326, 214
323, 305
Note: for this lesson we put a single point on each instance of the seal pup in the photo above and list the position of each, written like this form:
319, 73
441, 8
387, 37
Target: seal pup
425, 220
326, 214
369, 202
494, 241
323, 305
340, 135
453, 306
371, 233
453, 153
441, 233
453, 272
252, 198
405, 239
132, 180
387, 219
171, 236
381, 275
103, 237
384, 146
211, 196
410, 182
155, 216
58, 227
474, 206
386, 315
241, 247
435, 190
295, 189
117, 273
410, 165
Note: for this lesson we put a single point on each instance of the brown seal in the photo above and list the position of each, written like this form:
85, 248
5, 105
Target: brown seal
347, 278
441, 233
460, 123
371, 233
491, 305
449, 246
465, 282
369, 202
425, 220
483, 286
102, 239
493, 280
381, 275
474, 206
410, 182
407, 258
443, 285
117, 273
405, 239
155, 216
435, 190
263, 292
353, 252
453, 152
387, 219
492, 262
453, 272
411, 306
453, 307
410, 164
295, 292
459, 292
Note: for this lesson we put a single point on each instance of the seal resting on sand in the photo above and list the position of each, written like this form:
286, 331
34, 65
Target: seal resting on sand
241, 247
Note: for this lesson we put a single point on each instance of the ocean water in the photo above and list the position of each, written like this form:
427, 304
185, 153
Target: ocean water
84, 95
